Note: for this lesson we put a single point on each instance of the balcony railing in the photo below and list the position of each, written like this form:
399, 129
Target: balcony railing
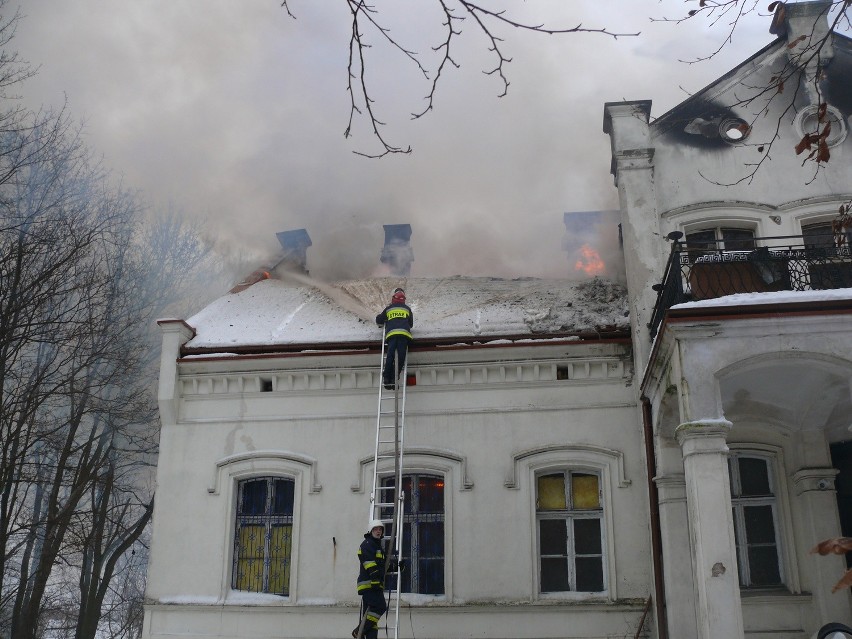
784, 263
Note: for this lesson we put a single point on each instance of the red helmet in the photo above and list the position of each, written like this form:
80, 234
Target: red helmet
398, 296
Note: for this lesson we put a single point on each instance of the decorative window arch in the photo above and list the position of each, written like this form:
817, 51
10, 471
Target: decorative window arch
263, 529
570, 491
436, 466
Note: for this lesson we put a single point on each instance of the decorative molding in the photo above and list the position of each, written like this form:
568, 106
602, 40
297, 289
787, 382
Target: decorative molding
455, 459
567, 451
265, 460
490, 374
814, 480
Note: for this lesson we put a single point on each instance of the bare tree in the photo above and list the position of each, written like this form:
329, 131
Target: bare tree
84, 272
81, 281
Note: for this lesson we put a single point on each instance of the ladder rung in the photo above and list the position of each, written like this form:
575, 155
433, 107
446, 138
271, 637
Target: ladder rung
384, 504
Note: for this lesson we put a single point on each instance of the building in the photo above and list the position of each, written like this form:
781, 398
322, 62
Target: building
520, 387
746, 387
584, 460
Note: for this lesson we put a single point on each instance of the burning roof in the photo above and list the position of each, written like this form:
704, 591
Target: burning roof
280, 313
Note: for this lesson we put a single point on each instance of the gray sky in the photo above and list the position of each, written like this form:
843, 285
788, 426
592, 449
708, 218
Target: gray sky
232, 112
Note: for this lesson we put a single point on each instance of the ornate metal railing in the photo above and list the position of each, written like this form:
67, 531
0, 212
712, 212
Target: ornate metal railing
784, 263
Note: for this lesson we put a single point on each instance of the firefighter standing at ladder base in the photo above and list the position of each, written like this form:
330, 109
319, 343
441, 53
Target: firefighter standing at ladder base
371, 559
398, 320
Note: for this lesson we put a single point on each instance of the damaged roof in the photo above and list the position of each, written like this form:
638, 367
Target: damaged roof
277, 313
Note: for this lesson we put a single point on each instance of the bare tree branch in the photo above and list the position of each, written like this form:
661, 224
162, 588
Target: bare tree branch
366, 20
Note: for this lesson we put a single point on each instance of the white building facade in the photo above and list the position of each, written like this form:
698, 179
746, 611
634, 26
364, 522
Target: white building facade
582, 460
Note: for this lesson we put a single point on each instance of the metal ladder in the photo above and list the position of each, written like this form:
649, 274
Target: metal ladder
388, 502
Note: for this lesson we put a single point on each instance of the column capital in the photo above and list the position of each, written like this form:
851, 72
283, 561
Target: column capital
814, 479
706, 436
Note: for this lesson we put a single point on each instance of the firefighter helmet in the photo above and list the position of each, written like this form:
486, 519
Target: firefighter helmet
376, 523
398, 295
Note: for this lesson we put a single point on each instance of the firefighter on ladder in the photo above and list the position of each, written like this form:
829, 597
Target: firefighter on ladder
371, 575
398, 319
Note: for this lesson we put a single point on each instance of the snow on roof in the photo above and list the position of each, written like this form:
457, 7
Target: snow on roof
778, 297
275, 312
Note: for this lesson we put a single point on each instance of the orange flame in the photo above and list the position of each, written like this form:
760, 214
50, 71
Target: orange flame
590, 261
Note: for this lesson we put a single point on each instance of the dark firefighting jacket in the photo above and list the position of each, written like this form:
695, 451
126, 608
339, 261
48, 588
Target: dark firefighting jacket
371, 559
398, 319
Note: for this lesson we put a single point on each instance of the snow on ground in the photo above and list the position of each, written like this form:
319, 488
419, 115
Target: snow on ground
275, 312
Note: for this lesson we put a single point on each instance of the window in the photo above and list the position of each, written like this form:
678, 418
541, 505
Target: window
755, 521
422, 533
720, 239
821, 235
569, 517
829, 266
263, 535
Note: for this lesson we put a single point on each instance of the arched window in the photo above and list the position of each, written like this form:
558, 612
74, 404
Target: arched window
263, 535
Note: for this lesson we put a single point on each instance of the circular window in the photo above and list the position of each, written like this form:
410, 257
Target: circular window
807, 122
734, 129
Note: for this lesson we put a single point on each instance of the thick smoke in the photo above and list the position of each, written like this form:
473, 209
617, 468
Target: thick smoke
236, 116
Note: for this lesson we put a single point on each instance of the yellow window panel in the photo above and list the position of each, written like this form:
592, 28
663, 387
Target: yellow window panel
279, 543
551, 492
279, 556
584, 492
250, 563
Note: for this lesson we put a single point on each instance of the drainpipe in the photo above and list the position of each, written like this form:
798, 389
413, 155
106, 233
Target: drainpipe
656, 539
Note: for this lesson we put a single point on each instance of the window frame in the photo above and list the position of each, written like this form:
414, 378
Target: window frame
738, 504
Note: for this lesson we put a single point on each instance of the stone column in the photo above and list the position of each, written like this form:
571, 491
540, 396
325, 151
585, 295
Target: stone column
718, 609
677, 559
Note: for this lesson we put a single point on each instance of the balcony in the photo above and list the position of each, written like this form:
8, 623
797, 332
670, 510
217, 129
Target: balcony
783, 263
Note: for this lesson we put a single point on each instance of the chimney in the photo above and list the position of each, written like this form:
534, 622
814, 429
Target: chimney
397, 252
295, 244
805, 27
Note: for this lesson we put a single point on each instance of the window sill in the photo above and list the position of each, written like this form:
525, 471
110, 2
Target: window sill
772, 594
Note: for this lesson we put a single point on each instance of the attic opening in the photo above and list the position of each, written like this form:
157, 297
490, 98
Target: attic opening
809, 122
734, 129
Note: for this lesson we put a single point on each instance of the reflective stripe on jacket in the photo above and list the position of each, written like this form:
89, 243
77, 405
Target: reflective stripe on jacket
398, 319
371, 560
